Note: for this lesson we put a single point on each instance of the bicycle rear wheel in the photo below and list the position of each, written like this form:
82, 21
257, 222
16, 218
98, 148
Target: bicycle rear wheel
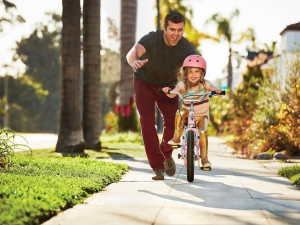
190, 156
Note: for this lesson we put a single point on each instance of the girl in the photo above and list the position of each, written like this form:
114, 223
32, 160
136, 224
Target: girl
193, 82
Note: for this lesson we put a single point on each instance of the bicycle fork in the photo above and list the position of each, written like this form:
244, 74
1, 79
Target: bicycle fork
190, 126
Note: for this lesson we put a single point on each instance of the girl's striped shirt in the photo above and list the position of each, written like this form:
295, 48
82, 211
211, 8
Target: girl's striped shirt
200, 109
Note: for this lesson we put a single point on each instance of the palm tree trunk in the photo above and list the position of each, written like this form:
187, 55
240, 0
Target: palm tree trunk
128, 30
229, 67
91, 74
127, 119
70, 137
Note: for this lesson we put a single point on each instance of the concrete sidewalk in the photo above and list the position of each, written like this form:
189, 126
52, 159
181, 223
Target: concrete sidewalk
235, 191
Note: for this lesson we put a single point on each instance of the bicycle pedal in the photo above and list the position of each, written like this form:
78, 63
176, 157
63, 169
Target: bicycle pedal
176, 146
179, 156
205, 168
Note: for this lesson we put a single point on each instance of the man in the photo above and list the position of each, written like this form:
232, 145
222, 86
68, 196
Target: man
156, 59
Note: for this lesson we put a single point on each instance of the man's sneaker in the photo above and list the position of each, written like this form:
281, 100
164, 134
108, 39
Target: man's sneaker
159, 175
170, 166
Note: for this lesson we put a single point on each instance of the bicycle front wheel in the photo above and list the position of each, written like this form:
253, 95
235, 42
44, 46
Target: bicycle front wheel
190, 156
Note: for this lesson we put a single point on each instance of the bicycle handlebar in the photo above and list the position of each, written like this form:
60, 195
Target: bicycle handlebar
184, 98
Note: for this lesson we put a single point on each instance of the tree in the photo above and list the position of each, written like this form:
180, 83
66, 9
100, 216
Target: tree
91, 74
40, 52
224, 30
23, 104
128, 30
70, 135
249, 35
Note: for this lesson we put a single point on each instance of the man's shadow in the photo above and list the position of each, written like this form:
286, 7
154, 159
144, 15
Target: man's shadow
224, 196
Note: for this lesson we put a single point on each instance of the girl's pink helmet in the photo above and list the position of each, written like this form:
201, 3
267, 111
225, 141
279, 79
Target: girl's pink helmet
194, 61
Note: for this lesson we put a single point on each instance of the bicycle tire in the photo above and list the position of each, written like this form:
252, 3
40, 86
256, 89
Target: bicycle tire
190, 156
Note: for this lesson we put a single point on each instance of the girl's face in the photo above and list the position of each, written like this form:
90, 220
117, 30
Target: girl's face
194, 75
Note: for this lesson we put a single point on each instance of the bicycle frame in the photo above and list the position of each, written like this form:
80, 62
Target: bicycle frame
190, 146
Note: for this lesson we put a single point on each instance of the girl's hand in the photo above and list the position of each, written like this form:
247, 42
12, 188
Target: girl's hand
218, 91
166, 90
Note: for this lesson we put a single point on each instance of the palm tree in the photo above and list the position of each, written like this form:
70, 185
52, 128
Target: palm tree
224, 30
91, 74
249, 35
70, 137
128, 30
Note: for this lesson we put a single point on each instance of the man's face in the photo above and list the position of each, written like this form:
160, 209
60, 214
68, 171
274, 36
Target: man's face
173, 32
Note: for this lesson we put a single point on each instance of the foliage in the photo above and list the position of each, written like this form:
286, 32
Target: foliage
24, 104
241, 107
292, 173
277, 125
288, 116
110, 76
219, 106
244, 99
8, 146
111, 122
37, 188
40, 52
267, 119
127, 117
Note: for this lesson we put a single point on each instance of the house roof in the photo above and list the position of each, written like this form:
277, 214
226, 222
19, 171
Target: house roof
295, 26
251, 55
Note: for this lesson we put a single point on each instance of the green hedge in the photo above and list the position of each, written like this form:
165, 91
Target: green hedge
36, 188
292, 173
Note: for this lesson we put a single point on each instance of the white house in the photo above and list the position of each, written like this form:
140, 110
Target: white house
278, 66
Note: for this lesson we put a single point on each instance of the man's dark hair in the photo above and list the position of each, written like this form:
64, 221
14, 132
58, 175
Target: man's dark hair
174, 17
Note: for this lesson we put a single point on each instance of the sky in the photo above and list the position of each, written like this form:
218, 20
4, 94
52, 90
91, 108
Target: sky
267, 17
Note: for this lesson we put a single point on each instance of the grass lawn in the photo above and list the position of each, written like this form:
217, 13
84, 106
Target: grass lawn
36, 188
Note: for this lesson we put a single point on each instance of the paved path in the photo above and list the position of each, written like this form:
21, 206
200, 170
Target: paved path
235, 191
37, 141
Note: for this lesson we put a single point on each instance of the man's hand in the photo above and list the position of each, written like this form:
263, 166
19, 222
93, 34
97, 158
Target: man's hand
166, 90
138, 64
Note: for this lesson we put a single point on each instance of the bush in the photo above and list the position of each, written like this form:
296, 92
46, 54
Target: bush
263, 117
37, 188
111, 122
8, 146
292, 173
127, 116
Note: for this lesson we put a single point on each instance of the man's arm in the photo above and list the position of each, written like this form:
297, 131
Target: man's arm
133, 56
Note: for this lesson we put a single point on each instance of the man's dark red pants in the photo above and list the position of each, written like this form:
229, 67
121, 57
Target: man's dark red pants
146, 97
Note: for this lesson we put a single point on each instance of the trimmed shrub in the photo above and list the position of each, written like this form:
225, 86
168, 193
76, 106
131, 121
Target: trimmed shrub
37, 188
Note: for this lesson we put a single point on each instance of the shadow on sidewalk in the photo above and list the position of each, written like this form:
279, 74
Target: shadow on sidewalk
217, 195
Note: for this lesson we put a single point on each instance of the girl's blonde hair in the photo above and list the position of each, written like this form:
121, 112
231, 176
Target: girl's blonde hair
187, 84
